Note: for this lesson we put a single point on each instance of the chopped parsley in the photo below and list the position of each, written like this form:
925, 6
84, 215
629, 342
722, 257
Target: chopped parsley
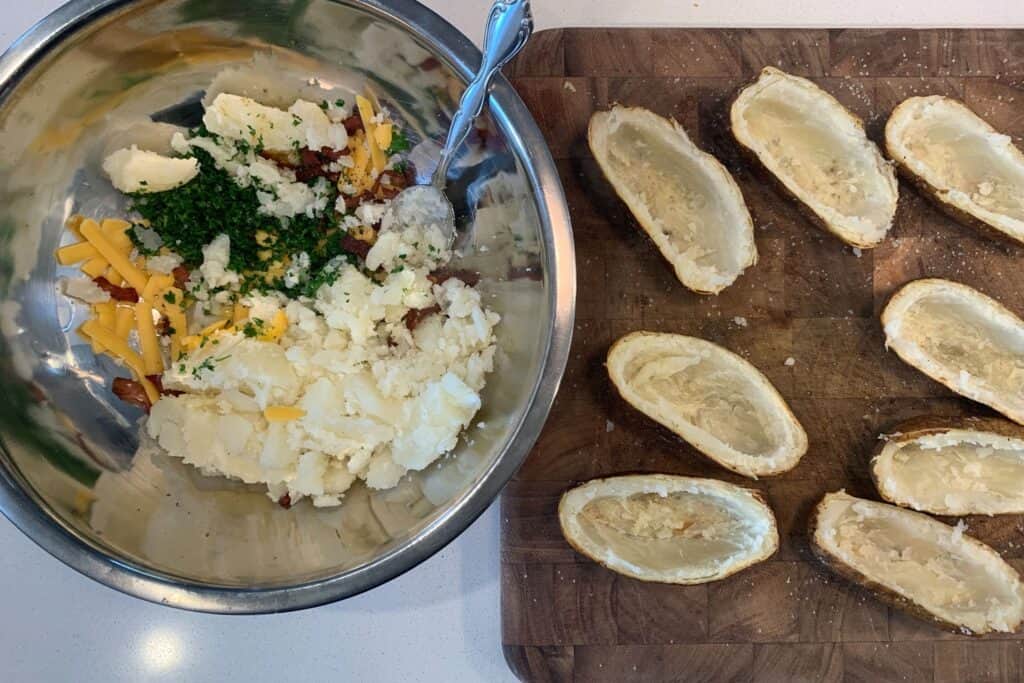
326, 276
191, 216
207, 364
339, 103
399, 143
253, 327
170, 298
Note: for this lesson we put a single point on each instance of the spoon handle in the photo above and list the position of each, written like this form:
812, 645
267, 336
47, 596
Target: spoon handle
509, 26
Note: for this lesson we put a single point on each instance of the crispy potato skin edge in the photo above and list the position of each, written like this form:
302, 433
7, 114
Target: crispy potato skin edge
884, 317
647, 231
932, 193
926, 425
669, 430
780, 187
882, 593
754, 493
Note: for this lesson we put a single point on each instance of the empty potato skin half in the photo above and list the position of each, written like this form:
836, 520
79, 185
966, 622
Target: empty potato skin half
952, 465
917, 564
710, 397
960, 337
819, 155
969, 169
668, 529
683, 198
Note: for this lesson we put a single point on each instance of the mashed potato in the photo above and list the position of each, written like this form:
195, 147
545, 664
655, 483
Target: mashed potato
376, 398
284, 323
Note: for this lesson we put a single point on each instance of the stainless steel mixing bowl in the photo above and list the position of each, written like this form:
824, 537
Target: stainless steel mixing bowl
97, 73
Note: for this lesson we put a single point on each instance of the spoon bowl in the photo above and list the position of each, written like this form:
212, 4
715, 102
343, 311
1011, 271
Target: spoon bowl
509, 26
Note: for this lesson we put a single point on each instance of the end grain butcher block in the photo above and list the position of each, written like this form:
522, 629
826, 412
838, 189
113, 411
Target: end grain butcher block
806, 315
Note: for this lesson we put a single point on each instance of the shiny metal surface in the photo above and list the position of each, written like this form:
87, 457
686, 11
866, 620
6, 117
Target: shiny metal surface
88, 78
509, 25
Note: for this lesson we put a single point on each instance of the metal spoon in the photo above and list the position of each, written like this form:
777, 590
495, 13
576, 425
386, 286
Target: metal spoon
509, 26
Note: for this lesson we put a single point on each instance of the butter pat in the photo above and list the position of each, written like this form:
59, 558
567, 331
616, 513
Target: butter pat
136, 170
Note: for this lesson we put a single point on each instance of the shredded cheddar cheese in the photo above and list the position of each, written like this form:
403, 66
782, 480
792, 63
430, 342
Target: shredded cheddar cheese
213, 327
179, 327
365, 108
73, 253
135, 277
151, 356
155, 286
283, 413
106, 313
120, 349
115, 230
95, 267
124, 321
277, 327
382, 135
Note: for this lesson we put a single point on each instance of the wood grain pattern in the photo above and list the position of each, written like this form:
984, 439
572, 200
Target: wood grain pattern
811, 299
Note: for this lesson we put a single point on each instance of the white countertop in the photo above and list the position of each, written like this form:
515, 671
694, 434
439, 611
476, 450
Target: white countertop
439, 621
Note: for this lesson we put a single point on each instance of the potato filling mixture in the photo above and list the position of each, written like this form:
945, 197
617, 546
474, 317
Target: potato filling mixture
281, 326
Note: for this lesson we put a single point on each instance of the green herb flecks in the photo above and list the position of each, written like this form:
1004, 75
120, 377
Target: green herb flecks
191, 216
253, 327
399, 143
207, 364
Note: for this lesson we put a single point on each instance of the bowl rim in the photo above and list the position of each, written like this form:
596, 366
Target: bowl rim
43, 527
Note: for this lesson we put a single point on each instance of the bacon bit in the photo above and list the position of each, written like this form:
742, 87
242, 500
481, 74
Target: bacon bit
308, 157
181, 275
331, 154
280, 158
163, 328
115, 292
410, 173
130, 391
430, 63
285, 501
313, 163
353, 124
355, 246
352, 202
389, 184
442, 275
414, 316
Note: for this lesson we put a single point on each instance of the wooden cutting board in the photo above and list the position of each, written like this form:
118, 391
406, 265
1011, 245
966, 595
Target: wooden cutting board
811, 299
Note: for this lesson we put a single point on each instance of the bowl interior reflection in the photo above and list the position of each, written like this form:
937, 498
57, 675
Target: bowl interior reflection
73, 447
